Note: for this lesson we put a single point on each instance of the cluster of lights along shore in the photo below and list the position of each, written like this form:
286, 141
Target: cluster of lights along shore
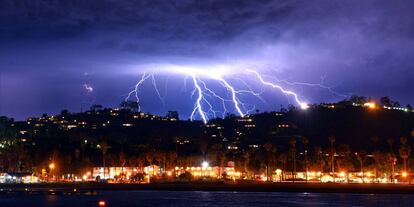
126, 119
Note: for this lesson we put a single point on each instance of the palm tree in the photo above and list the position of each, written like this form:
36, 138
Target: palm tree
332, 141
305, 142
374, 141
361, 156
390, 142
149, 157
122, 159
404, 151
104, 149
319, 159
219, 157
270, 153
172, 160
375, 153
160, 159
204, 147
254, 163
283, 159
392, 159
344, 152
378, 158
292, 152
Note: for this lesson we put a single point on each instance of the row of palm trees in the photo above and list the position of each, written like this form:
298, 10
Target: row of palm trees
340, 158
253, 161
267, 159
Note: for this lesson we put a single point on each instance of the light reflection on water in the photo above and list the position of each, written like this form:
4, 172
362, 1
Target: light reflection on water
202, 198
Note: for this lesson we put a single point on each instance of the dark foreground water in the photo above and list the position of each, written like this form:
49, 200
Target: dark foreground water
200, 198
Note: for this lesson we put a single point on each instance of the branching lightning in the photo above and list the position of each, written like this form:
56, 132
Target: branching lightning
234, 98
198, 106
135, 92
302, 104
212, 101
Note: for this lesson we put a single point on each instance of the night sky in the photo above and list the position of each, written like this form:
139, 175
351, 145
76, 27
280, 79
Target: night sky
70, 54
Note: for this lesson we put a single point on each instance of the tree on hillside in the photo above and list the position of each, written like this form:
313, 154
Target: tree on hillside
358, 99
173, 115
96, 107
385, 101
64, 113
132, 105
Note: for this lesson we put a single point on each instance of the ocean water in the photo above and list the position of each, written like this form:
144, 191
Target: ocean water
203, 198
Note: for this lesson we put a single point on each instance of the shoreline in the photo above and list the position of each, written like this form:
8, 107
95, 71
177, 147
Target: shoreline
91, 188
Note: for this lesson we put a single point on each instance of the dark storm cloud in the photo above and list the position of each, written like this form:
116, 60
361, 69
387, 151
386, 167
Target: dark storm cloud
141, 26
363, 47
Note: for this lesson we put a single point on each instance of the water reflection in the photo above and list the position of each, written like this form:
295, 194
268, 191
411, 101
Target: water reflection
200, 198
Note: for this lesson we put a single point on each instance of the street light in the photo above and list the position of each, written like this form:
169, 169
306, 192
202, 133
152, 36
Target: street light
102, 203
204, 164
52, 166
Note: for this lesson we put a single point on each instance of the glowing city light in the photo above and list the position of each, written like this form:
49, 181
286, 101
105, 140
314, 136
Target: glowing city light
52, 166
278, 171
102, 203
370, 105
204, 164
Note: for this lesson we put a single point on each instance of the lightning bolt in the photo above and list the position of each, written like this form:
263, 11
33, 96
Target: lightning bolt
154, 83
233, 96
135, 91
303, 105
88, 88
320, 85
235, 89
198, 105
212, 94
